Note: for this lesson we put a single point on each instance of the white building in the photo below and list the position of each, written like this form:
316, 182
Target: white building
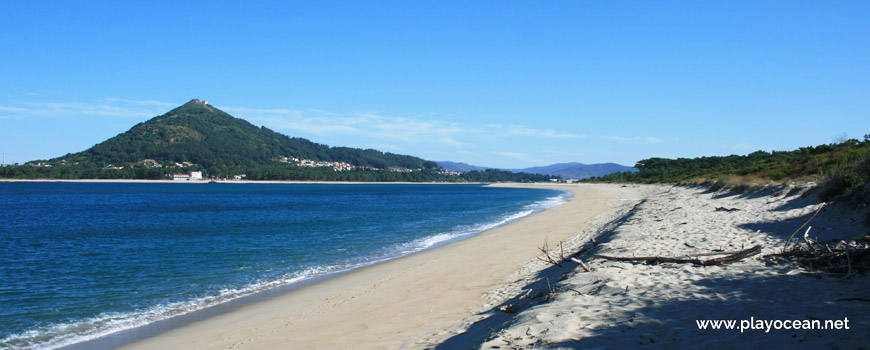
195, 175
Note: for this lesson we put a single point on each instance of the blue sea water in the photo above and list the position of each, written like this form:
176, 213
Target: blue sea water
83, 260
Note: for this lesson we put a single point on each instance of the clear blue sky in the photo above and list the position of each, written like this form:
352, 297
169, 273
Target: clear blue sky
500, 83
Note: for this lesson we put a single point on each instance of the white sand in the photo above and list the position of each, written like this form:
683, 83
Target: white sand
451, 297
398, 304
626, 305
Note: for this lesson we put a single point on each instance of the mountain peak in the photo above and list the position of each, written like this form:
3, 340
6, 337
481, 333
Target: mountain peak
197, 102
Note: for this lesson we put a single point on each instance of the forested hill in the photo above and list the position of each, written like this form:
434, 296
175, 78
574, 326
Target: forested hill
197, 137
201, 134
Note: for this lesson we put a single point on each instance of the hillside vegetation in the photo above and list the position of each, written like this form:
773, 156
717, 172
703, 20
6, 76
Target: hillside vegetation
836, 167
199, 137
201, 134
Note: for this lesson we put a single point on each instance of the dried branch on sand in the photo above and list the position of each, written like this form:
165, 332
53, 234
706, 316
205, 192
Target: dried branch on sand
729, 257
845, 258
549, 259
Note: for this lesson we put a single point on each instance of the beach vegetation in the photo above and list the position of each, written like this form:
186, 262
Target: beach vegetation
836, 168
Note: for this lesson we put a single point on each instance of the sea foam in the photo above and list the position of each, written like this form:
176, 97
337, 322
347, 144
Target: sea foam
58, 335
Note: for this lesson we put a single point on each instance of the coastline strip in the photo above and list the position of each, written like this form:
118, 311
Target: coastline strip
397, 303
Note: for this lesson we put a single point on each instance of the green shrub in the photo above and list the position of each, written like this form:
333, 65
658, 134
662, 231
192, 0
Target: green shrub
841, 180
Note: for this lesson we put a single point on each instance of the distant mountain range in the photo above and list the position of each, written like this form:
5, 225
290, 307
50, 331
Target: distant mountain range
199, 136
565, 170
454, 166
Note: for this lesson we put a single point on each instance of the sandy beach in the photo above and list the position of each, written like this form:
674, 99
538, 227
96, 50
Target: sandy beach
626, 304
496, 291
399, 304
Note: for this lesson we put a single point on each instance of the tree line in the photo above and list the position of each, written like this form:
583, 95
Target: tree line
277, 172
838, 166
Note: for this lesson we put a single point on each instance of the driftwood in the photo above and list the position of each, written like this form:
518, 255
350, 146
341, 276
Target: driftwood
736, 256
727, 209
585, 267
846, 258
727, 259
547, 258
784, 247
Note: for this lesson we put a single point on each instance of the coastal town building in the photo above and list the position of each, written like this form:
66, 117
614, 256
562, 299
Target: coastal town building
336, 166
449, 172
192, 175
402, 170
151, 163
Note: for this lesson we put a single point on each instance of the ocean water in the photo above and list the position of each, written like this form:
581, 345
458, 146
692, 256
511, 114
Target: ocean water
82, 260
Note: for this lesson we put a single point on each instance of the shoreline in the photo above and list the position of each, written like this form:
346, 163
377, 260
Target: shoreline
140, 332
392, 295
249, 182
494, 290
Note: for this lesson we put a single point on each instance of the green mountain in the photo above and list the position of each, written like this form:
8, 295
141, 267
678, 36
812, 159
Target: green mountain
202, 134
199, 137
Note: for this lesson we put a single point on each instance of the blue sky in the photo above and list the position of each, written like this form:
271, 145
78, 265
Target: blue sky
500, 83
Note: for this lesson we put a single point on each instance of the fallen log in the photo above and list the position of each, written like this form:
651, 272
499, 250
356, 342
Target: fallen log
727, 259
